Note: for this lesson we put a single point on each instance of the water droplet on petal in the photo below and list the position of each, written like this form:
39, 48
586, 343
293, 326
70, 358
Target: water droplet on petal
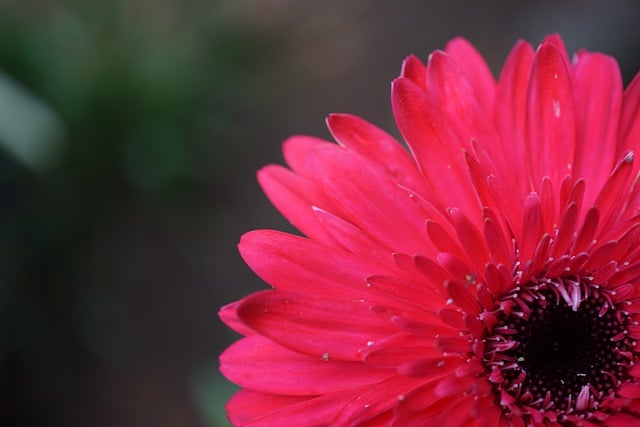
556, 108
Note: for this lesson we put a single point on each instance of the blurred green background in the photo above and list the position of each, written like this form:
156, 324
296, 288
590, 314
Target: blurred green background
130, 133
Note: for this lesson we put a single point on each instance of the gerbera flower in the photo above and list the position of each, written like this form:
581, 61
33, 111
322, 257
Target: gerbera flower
488, 276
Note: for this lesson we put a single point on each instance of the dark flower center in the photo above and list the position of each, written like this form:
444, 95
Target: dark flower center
546, 351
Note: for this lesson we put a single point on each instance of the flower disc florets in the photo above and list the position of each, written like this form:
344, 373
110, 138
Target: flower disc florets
559, 347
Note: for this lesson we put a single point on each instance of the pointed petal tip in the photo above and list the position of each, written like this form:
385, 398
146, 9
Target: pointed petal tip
228, 315
554, 39
520, 48
457, 40
334, 120
263, 171
436, 56
300, 139
227, 307
296, 148
335, 117
398, 81
409, 59
245, 236
404, 92
415, 70
258, 236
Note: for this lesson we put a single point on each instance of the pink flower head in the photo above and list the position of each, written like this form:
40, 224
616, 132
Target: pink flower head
488, 276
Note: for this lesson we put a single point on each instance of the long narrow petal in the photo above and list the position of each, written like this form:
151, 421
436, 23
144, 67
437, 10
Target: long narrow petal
629, 130
435, 146
314, 411
229, 316
629, 134
258, 364
475, 69
322, 327
369, 198
378, 146
598, 99
453, 94
295, 150
550, 125
414, 70
246, 405
510, 114
379, 398
290, 262
295, 197
352, 238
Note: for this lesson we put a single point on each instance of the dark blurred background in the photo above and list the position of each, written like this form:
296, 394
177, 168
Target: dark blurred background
130, 133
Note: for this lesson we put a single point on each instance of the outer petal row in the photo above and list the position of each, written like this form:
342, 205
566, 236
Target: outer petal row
259, 364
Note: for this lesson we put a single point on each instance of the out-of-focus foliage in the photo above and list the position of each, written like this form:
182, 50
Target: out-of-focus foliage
144, 105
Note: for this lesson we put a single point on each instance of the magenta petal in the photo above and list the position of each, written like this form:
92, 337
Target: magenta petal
462, 297
246, 405
456, 415
290, 262
451, 385
444, 241
376, 400
295, 196
413, 292
414, 70
392, 357
229, 315
296, 149
352, 238
436, 148
369, 198
257, 363
621, 419
551, 129
379, 147
629, 137
453, 94
598, 100
323, 327
475, 69
631, 391
314, 411
497, 245
532, 227
556, 41
610, 200
471, 239
511, 111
